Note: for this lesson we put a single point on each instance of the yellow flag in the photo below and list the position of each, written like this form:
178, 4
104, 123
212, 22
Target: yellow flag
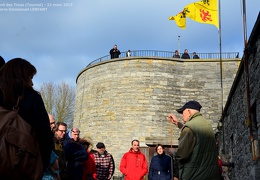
180, 20
205, 11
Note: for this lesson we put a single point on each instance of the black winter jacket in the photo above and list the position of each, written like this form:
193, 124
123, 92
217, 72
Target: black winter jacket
160, 167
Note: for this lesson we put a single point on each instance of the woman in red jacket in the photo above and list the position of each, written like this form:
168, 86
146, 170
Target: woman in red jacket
89, 166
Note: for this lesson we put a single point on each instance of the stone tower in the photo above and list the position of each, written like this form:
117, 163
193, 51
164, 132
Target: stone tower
123, 99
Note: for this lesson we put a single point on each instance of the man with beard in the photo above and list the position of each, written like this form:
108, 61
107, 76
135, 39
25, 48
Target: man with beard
59, 136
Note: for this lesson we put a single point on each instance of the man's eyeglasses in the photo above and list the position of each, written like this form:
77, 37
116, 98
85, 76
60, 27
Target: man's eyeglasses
63, 131
52, 123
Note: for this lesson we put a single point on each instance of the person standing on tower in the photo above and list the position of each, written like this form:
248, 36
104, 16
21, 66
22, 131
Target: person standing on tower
185, 55
114, 53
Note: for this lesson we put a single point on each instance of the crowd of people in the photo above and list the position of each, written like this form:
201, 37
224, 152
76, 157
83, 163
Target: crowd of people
66, 156
197, 154
114, 53
185, 55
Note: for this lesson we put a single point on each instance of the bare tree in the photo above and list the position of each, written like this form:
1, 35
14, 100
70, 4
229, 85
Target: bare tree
59, 100
47, 93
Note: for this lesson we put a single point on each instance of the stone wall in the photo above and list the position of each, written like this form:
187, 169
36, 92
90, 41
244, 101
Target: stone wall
129, 98
240, 135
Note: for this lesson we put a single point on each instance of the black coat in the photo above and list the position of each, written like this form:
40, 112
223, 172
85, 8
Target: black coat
114, 53
185, 56
196, 56
160, 168
75, 154
33, 111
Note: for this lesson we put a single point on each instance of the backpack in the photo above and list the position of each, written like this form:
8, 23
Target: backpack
20, 156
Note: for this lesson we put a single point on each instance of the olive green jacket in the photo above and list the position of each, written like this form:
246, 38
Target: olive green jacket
197, 153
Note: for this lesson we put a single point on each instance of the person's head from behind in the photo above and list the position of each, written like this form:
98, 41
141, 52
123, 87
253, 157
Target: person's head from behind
85, 143
74, 134
189, 109
16, 76
2, 61
19, 71
135, 145
60, 130
159, 149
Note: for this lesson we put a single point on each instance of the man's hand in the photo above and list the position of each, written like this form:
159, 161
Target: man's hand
173, 119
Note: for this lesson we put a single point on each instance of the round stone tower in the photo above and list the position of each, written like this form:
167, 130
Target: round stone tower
119, 100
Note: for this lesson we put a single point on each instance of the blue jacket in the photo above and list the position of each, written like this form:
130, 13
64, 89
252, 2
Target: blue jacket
75, 154
51, 174
160, 167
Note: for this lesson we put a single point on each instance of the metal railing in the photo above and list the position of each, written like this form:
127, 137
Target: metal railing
168, 54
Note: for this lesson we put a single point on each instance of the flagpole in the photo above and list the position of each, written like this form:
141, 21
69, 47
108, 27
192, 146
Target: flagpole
220, 56
246, 70
221, 78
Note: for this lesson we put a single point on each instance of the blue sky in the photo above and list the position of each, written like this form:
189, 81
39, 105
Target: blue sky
61, 40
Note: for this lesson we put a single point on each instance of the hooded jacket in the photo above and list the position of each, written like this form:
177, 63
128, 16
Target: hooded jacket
51, 174
75, 154
134, 165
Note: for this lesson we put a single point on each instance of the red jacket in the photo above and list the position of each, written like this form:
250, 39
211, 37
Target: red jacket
89, 167
220, 165
134, 165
